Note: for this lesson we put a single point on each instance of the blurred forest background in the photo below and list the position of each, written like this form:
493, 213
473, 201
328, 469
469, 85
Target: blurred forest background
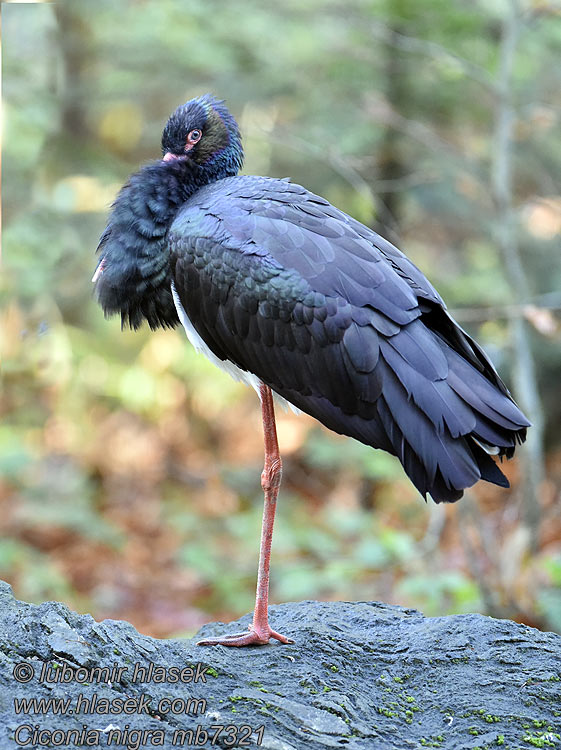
129, 466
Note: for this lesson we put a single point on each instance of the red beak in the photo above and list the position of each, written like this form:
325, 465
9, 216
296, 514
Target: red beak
170, 157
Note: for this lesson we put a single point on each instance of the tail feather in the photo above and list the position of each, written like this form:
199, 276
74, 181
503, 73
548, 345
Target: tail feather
434, 401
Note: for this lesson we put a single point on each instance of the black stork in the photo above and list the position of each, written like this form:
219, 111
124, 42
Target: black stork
287, 293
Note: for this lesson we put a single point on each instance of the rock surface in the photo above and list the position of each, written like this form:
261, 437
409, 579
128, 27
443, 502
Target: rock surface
360, 675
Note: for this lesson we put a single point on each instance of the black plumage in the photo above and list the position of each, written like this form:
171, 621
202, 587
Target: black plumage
331, 316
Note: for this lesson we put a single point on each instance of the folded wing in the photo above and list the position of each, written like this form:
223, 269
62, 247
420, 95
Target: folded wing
341, 324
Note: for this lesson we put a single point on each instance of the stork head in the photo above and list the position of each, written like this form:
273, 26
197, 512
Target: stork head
204, 131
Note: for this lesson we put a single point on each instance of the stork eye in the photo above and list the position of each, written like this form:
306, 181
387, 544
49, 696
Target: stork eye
194, 136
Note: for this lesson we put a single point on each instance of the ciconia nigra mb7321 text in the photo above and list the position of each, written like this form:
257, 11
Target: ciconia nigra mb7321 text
294, 297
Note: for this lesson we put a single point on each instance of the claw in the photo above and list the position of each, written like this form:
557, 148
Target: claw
253, 638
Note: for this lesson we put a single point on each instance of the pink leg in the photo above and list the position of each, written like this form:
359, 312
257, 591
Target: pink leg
259, 631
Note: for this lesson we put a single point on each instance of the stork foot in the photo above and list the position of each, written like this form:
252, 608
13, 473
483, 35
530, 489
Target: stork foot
255, 637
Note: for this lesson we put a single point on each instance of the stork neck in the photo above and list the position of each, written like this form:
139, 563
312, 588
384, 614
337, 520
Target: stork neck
134, 271
165, 186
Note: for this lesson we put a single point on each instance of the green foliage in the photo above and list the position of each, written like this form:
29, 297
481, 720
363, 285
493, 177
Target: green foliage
324, 452
444, 592
549, 597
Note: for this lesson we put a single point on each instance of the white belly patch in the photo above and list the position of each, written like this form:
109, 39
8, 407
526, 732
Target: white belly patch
224, 364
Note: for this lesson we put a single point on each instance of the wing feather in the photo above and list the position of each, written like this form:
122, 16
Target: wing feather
341, 324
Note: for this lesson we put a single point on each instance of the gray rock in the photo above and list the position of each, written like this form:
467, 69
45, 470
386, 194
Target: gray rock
360, 675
